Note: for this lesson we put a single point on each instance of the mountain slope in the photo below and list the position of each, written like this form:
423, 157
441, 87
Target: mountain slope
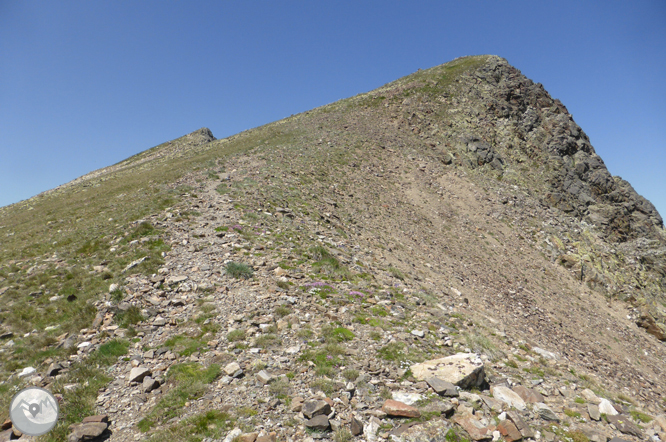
461, 202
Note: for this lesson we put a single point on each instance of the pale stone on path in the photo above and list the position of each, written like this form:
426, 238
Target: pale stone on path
589, 396
605, 407
406, 398
508, 396
465, 370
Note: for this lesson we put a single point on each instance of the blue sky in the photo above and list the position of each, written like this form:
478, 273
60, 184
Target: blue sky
86, 84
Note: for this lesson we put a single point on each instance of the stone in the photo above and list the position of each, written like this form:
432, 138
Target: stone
54, 369
315, 407
445, 409
493, 404
509, 431
465, 370
113, 288
647, 322
508, 396
231, 368
434, 430
406, 398
605, 407
27, 371
6, 425
138, 373
522, 426
356, 427
248, 437
149, 384
270, 437
546, 413
296, 404
593, 411
545, 353
442, 388
618, 439
233, 434
528, 395
370, 429
399, 409
264, 377
6, 436
319, 422
176, 279
589, 396
97, 418
474, 427
86, 431
661, 420
624, 425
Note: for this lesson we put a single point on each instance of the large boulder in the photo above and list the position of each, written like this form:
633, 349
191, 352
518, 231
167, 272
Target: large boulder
465, 370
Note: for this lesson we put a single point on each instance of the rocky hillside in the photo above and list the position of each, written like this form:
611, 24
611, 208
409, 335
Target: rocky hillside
444, 258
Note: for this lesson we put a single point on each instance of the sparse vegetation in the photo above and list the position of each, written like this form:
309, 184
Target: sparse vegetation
239, 270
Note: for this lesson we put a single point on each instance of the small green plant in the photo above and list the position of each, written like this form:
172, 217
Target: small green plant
236, 335
325, 358
579, 400
283, 285
305, 333
511, 363
266, 340
571, 413
397, 273
246, 411
339, 334
385, 393
185, 345
281, 311
392, 352
129, 317
109, 352
324, 385
342, 435
375, 335
239, 270
640, 417
350, 374
279, 388
577, 436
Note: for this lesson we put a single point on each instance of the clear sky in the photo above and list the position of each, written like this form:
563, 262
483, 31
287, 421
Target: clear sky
85, 84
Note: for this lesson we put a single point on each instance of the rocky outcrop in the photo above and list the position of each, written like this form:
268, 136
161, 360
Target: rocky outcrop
543, 130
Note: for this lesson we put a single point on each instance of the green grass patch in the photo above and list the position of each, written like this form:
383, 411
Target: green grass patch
325, 358
188, 382
185, 345
236, 335
108, 353
129, 317
640, 416
239, 270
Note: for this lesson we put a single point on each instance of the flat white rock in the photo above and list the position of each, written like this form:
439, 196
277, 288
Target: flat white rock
605, 407
545, 353
27, 371
406, 398
508, 396
465, 370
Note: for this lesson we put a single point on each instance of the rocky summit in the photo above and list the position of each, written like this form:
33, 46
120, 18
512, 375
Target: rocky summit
445, 258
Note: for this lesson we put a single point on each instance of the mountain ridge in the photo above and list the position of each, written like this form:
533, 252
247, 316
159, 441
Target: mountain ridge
461, 203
